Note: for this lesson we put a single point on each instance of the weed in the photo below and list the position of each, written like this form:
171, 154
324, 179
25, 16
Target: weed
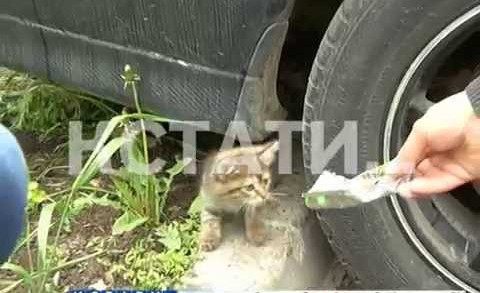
50, 258
36, 196
160, 261
88, 198
31, 104
143, 197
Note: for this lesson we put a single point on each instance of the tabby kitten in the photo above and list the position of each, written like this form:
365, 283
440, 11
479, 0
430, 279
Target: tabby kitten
236, 180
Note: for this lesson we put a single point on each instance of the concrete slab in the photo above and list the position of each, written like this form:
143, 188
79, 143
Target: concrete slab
295, 256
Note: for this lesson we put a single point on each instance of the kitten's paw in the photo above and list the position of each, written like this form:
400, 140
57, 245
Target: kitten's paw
210, 232
209, 242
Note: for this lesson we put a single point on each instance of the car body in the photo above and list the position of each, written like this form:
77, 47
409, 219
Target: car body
198, 60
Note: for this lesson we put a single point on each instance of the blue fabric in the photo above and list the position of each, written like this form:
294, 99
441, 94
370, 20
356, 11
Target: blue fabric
13, 192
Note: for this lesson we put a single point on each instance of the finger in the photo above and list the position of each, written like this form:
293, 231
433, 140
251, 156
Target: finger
433, 164
424, 166
413, 151
434, 180
451, 166
404, 189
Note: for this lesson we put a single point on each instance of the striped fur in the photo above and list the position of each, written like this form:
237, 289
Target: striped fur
236, 180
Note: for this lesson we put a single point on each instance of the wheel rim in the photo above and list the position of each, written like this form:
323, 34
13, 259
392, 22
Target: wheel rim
413, 216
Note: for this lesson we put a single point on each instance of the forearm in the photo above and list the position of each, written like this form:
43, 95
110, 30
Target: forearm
473, 93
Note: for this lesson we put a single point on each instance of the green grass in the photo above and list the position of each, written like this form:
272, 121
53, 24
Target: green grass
32, 104
160, 260
143, 197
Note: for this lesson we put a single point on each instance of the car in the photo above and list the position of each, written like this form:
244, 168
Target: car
379, 63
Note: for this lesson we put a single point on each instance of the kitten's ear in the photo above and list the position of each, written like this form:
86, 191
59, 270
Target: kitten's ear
267, 155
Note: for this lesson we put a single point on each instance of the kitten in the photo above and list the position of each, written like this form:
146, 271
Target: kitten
236, 180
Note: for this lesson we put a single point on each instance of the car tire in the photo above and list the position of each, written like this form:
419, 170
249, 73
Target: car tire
363, 56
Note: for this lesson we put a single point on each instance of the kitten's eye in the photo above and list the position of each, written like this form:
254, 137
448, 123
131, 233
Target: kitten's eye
249, 188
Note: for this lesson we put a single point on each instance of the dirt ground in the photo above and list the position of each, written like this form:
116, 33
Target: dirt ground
90, 231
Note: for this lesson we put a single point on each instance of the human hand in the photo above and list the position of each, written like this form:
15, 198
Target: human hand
443, 149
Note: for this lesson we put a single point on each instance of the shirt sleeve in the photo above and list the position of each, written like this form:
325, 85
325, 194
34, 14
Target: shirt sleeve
473, 93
